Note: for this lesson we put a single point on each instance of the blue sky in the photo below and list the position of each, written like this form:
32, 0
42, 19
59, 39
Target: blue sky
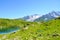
21, 8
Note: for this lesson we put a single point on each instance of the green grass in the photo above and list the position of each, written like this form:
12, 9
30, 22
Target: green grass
32, 30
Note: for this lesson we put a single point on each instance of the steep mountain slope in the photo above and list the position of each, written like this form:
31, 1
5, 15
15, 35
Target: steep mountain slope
35, 31
48, 16
31, 18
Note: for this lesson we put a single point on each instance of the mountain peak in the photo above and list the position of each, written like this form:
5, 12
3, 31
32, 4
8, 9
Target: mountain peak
48, 16
31, 17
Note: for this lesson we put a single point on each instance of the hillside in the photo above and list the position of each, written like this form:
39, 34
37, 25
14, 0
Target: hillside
31, 30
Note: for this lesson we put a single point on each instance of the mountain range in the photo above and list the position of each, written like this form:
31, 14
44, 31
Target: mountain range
31, 18
46, 17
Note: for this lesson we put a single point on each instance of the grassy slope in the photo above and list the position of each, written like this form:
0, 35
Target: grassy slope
32, 30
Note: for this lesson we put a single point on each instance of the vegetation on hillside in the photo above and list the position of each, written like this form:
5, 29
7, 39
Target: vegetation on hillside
31, 30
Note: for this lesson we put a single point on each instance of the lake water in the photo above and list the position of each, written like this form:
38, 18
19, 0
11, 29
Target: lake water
9, 30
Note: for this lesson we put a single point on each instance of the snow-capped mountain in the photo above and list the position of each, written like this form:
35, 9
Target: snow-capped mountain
31, 18
48, 16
